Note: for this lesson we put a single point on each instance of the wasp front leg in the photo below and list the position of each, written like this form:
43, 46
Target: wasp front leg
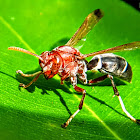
37, 74
78, 89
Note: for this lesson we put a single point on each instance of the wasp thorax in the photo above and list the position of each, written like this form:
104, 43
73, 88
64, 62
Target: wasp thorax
51, 63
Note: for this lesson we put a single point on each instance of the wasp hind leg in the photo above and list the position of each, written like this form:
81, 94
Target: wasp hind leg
36, 74
99, 79
116, 93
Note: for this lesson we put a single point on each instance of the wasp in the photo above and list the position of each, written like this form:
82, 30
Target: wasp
69, 63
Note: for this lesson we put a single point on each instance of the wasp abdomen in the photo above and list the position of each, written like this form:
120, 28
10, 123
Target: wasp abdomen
111, 64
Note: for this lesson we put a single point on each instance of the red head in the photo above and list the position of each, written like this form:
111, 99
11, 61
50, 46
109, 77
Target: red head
51, 63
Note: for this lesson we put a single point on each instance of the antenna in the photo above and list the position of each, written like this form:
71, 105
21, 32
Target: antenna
25, 51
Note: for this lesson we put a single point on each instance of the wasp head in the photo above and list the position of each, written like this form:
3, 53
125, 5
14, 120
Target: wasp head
50, 63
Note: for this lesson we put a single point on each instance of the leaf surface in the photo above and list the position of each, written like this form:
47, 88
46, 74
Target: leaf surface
38, 112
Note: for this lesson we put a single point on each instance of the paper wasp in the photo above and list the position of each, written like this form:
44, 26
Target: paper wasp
69, 63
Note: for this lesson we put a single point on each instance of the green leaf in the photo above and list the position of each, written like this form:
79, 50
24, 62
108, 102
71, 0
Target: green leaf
38, 112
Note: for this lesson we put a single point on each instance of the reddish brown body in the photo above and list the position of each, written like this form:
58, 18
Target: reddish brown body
64, 61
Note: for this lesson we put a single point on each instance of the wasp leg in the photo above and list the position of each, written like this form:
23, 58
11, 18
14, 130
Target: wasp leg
99, 79
78, 89
37, 74
116, 93
64, 77
82, 77
121, 101
28, 75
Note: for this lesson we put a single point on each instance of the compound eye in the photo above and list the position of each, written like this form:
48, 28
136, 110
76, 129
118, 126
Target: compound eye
93, 63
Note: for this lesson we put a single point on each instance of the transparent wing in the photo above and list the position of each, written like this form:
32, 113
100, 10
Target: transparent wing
81, 43
125, 47
91, 20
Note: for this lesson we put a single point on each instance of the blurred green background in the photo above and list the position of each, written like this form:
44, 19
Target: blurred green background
37, 113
